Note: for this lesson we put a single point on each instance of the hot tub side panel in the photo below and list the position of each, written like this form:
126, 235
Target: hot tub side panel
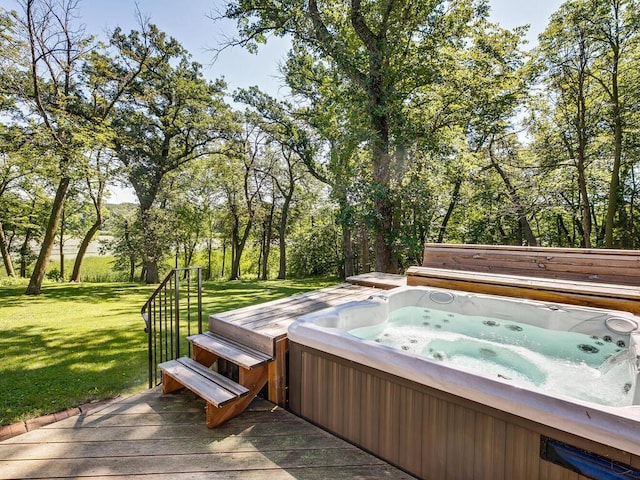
427, 432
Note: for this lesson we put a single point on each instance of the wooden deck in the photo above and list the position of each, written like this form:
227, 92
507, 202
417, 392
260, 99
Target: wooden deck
261, 326
386, 281
155, 436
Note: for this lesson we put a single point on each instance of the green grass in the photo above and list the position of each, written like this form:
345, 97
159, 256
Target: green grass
77, 343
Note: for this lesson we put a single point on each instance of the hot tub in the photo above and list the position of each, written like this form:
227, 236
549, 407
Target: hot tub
433, 410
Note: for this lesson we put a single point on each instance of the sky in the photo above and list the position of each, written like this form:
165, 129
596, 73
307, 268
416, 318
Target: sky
190, 22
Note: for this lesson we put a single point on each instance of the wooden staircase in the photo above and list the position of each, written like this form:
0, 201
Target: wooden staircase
225, 398
252, 338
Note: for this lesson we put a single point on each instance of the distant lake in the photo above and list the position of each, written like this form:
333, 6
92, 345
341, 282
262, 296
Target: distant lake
71, 245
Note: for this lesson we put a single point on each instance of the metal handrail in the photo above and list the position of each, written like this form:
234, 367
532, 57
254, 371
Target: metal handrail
164, 322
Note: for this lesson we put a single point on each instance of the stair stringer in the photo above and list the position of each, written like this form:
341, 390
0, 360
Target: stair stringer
254, 379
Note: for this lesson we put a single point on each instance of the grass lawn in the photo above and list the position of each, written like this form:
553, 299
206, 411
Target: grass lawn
81, 342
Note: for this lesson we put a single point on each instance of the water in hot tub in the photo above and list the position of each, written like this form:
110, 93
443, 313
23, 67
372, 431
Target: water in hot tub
591, 368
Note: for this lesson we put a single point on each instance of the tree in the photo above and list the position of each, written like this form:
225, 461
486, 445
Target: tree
384, 49
127, 240
568, 55
293, 150
331, 149
18, 162
53, 89
613, 25
55, 51
172, 116
241, 178
97, 171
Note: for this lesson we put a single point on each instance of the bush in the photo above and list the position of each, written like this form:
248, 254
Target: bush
53, 274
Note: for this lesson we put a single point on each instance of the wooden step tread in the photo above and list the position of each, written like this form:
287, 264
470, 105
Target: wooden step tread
241, 355
209, 385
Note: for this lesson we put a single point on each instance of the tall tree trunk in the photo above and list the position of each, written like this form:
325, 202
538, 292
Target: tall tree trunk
585, 206
347, 251
523, 222
235, 258
614, 184
282, 231
632, 212
82, 251
261, 253
224, 256
581, 119
563, 233
24, 253
366, 262
383, 204
35, 282
267, 242
6, 257
209, 253
150, 249
238, 242
99, 220
132, 257
61, 231
452, 204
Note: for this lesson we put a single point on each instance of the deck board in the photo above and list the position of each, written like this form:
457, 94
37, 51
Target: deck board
386, 281
150, 435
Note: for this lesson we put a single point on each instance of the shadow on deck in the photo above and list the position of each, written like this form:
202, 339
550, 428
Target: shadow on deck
150, 435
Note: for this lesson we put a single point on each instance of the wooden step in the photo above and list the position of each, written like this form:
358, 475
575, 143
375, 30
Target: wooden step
209, 385
234, 352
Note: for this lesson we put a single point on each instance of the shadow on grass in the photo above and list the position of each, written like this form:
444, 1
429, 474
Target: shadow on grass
53, 372
73, 292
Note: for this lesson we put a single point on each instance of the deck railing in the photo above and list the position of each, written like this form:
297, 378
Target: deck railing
172, 313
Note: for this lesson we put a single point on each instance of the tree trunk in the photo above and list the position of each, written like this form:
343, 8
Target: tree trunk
24, 252
614, 185
282, 231
63, 224
523, 222
150, 253
631, 228
209, 253
84, 245
132, 257
152, 273
224, 256
586, 210
452, 204
6, 257
235, 258
261, 253
383, 206
366, 262
563, 233
347, 251
238, 243
267, 242
35, 282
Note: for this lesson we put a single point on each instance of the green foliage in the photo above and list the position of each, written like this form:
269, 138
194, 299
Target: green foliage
418, 122
172, 116
97, 269
315, 249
